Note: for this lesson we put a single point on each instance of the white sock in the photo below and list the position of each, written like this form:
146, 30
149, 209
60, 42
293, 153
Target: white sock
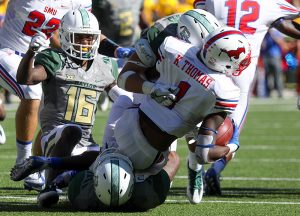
193, 164
23, 150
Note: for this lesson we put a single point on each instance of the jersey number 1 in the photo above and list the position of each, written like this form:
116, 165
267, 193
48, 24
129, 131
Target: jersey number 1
252, 7
183, 88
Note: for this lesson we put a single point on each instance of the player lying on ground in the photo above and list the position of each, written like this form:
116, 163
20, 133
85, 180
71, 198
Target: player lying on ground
104, 180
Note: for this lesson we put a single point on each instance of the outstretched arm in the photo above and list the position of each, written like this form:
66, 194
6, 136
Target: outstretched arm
289, 26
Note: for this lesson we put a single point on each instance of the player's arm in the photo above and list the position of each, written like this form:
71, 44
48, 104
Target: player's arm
204, 147
130, 77
289, 26
27, 74
110, 48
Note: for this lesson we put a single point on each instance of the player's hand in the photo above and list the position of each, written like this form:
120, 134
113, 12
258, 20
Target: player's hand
234, 142
124, 52
38, 41
164, 94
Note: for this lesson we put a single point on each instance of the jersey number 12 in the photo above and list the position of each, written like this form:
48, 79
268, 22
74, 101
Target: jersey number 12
252, 7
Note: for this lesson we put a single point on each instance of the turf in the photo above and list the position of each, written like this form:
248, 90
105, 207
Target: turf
263, 178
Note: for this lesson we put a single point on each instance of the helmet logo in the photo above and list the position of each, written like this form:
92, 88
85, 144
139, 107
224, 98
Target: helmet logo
233, 53
185, 34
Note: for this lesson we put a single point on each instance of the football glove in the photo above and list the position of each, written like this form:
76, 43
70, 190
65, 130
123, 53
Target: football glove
124, 52
38, 41
234, 142
162, 94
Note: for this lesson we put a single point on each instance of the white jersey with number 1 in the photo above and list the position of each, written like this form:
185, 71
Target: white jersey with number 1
201, 90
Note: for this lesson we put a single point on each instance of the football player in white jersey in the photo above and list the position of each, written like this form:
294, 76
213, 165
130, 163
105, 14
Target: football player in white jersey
253, 18
23, 20
194, 85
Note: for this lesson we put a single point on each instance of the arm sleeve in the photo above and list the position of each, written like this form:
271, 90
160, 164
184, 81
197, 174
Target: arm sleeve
50, 60
226, 98
275, 10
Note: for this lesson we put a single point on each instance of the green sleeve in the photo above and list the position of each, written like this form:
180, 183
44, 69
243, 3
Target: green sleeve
50, 59
156, 38
114, 71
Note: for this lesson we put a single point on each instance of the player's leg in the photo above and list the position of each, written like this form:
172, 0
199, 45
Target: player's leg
122, 103
27, 113
2, 117
37, 147
58, 143
38, 163
26, 124
195, 170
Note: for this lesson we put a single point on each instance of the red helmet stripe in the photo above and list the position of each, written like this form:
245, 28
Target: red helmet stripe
217, 37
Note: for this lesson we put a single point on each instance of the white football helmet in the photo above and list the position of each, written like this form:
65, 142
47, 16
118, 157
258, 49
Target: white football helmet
74, 23
113, 178
226, 50
195, 25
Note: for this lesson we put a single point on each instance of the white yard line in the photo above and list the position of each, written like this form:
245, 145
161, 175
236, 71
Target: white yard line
228, 178
250, 178
21, 198
236, 202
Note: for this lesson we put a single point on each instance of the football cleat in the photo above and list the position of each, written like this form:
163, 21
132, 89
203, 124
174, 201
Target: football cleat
212, 183
195, 185
29, 166
35, 181
48, 197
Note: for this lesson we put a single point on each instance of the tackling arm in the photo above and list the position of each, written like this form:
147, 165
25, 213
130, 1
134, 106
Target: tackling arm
130, 78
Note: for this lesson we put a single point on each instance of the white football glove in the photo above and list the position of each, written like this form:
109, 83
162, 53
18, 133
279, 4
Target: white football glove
162, 94
39, 41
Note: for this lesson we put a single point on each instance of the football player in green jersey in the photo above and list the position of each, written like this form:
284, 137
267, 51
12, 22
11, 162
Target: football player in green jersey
72, 79
98, 181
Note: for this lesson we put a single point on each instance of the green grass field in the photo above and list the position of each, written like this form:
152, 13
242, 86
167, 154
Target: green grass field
263, 178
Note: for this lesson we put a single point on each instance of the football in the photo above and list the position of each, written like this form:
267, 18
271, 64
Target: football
225, 132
